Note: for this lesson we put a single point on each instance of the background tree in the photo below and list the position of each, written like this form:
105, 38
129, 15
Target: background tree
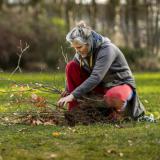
132, 25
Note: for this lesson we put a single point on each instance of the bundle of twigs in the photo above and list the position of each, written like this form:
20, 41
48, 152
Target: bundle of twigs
89, 110
92, 110
43, 117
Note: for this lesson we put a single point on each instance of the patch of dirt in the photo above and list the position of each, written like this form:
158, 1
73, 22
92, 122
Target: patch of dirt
89, 113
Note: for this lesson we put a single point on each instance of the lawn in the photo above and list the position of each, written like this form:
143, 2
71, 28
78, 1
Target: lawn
129, 141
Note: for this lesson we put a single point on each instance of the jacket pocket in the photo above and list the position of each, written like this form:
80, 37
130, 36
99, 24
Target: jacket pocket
124, 75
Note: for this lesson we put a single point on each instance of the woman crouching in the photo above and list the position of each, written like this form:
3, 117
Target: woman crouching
100, 67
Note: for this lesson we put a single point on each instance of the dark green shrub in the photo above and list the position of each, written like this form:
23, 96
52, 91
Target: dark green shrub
44, 35
140, 59
132, 55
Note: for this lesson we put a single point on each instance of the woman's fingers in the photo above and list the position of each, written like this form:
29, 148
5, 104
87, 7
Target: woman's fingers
61, 102
64, 93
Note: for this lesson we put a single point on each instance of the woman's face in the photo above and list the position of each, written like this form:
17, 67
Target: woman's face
81, 48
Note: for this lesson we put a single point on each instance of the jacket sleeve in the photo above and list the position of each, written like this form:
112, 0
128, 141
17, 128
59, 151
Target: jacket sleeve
105, 58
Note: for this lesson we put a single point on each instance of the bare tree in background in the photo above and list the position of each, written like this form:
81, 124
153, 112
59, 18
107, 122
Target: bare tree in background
93, 15
124, 22
135, 27
152, 9
110, 14
131, 23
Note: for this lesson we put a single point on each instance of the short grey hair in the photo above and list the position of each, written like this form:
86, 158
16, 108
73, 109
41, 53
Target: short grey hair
80, 34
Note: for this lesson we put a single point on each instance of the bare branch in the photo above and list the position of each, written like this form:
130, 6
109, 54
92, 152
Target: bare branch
22, 51
93, 100
65, 56
34, 86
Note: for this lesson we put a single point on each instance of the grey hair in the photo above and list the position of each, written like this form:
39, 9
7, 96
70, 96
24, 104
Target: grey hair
81, 33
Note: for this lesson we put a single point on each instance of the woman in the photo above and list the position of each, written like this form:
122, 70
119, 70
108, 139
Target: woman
100, 67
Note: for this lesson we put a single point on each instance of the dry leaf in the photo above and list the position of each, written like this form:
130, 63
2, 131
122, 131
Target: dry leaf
1, 157
48, 123
11, 95
34, 97
121, 154
36, 122
38, 101
22, 88
53, 155
112, 151
23, 129
130, 142
56, 134
146, 101
50, 156
118, 126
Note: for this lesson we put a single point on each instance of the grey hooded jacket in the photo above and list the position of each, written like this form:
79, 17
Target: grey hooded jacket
109, 69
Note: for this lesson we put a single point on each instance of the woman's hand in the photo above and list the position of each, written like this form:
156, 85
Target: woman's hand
63, 101
64, 93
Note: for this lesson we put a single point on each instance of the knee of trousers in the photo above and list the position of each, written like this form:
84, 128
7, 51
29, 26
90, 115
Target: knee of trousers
114, 100
72, 64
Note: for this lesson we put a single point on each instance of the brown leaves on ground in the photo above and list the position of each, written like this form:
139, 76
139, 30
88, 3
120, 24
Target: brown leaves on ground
38, 101
113, 151
87, 112
56, 134
43, 118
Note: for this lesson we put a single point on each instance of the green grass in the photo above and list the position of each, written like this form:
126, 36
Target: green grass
134, 141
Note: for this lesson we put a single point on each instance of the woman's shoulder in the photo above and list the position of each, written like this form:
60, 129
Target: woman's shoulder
107, 48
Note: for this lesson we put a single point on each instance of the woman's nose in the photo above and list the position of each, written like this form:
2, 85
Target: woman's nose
78, 50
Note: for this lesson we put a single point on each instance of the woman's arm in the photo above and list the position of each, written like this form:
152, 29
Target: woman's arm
105, 58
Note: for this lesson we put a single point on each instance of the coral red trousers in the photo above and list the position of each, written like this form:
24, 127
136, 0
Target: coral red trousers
115, 97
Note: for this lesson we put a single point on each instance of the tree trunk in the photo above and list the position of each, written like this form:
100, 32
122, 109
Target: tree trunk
111, 15
135, 28
93, 14
66, 14
1, 4
157, 29
124, 22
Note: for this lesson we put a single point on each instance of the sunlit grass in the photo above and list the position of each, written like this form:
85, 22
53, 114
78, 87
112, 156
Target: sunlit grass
95, 142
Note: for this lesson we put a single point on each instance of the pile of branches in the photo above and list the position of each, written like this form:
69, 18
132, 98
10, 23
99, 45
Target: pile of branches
32, 118
88, 111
